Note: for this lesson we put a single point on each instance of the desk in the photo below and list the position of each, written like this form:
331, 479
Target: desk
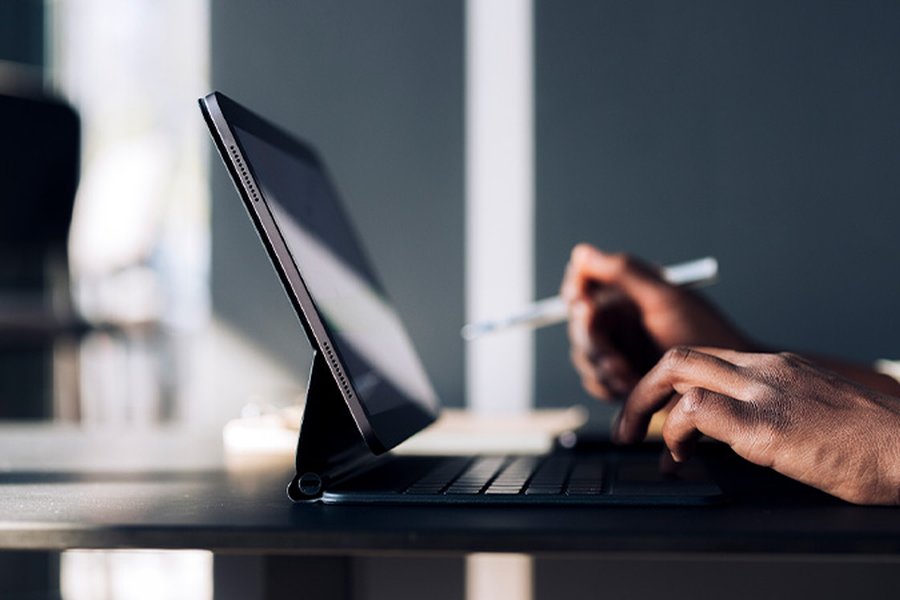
67, 488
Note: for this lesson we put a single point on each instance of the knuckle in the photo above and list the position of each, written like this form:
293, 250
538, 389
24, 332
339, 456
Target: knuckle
773, 370
692, 400
782, 359
787, 360
761, 385
762, 391
776, 374
675, 357
794, 361
770, 362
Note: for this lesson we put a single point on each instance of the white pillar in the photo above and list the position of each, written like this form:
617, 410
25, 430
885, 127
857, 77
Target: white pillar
493, 576
499, 199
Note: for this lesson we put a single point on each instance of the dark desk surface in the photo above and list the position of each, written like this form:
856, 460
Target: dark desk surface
62, 487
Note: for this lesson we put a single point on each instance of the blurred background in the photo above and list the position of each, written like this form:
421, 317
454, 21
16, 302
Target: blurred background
133, 290
761, 133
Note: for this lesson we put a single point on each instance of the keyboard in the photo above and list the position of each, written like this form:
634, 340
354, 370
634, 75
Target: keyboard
529, 475
563, 477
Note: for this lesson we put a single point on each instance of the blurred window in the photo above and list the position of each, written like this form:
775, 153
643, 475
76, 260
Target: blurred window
139, 243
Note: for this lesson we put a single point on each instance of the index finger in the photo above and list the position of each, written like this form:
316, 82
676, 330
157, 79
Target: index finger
680, 369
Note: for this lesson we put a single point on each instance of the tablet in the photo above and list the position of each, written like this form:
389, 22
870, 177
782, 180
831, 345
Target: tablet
342, 306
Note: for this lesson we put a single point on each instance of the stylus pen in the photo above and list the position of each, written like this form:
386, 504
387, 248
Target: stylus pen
556, 310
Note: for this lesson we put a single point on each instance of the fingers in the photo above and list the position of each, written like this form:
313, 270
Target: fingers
604, 377
702, 412
604, 372
680, 370
588, 265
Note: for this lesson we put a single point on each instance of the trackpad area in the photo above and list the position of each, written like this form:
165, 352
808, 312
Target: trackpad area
642, 476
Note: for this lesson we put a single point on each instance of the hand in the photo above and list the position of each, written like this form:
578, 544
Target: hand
623, 316
775, 410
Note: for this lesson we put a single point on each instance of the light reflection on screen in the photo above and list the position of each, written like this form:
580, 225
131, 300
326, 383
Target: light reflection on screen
368, 334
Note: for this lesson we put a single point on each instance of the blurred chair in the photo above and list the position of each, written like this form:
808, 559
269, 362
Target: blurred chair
39, 165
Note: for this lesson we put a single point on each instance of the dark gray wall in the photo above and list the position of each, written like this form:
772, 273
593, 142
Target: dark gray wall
22, 32
764, 133
378, 88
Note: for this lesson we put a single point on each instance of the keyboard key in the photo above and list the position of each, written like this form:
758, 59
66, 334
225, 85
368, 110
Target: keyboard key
477, 476
425, 489
464, 489
435, 480
552, 473
513, 477
494, 491
543, 491
586, 478
584, 490
587, 471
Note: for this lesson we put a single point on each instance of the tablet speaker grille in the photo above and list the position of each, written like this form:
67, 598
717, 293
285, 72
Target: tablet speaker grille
336, 369
244, 174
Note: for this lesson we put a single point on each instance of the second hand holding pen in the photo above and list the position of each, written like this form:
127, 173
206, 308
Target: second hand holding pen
556, 310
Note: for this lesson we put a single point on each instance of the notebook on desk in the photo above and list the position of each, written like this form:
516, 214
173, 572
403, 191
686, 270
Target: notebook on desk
368, 390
